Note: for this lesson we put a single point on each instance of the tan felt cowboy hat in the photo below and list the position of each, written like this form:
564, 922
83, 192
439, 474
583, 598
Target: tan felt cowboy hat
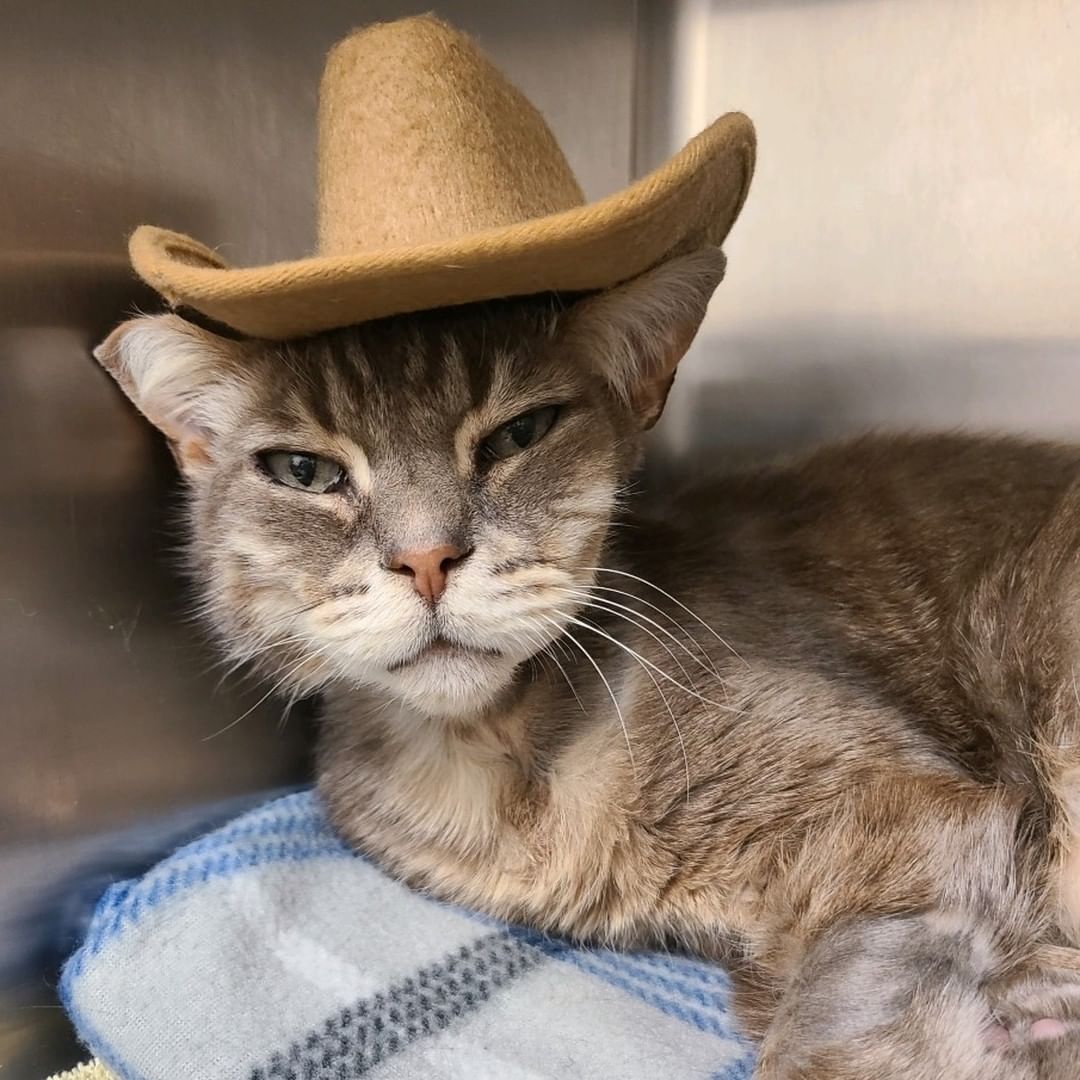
440, 184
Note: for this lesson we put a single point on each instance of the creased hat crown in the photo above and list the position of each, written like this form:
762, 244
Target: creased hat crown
422, 139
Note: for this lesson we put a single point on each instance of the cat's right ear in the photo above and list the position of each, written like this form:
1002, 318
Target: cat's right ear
187, 382
635, 334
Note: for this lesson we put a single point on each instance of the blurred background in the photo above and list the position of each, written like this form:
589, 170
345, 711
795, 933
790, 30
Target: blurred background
909, 258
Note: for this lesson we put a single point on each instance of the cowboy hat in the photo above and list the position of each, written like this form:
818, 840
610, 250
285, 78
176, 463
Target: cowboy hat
440, 184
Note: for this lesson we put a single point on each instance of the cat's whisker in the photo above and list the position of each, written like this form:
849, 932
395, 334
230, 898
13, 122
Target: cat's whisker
393, 699
667, 615
556, 642
607, 605
573, 689
675, 600
297, 694
663, 698
660, 671
265, 641
312, 683
238, 656
675, 724
248, 655
279, 643
537, 667
269, 694
230, 657
542, 651
205, 607
626, 618
533, 637
607, 685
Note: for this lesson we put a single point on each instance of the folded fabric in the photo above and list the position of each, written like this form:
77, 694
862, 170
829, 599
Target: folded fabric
267, 950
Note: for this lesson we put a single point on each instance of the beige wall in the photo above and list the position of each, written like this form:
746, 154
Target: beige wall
910, 253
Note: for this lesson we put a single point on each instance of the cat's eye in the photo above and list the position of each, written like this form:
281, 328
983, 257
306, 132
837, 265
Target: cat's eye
520, 433
305, 472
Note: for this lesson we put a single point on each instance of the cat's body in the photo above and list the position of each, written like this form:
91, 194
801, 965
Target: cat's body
886, 729
818, 720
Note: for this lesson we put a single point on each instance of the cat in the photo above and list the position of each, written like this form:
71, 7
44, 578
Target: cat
817, 720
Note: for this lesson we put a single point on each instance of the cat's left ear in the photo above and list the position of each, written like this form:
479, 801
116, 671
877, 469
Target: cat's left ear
189, 383
636, 333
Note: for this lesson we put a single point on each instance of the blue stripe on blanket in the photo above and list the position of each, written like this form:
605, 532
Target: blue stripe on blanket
125, 903
651, 978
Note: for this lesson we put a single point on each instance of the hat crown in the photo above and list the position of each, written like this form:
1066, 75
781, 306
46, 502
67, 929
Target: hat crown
422, 139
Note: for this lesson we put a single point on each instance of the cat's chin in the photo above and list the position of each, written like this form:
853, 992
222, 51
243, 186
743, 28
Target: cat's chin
449, 683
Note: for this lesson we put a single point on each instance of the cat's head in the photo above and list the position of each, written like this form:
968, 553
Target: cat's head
413, 503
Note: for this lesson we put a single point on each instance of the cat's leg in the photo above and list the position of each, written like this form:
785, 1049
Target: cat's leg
900, 940
1067, 871
924, 997
1057, 750
1053, 749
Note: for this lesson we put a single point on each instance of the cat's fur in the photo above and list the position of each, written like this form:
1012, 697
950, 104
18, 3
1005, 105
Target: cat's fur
819, 720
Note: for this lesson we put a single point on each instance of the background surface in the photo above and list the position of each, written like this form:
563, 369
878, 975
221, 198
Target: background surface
909, 256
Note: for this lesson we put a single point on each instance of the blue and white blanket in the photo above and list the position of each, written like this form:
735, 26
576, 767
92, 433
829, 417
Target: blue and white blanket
268, 951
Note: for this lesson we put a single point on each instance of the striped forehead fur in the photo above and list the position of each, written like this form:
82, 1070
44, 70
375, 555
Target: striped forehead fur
438, 360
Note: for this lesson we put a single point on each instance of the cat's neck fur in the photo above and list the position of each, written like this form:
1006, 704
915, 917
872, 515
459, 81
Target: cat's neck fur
523, 800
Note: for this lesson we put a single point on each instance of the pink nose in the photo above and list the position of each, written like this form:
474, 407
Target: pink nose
429, 569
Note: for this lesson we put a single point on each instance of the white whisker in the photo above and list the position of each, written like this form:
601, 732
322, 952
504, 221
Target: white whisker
608, 605
673, 599
660, 671
250, 654
270, 693
667, 615
626, 618
542, 652
607, 685
675, 724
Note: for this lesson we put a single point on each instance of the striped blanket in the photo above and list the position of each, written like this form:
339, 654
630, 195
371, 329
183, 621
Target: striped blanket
269, 951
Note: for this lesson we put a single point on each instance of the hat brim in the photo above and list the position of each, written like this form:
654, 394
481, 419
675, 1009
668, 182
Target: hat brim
689, 202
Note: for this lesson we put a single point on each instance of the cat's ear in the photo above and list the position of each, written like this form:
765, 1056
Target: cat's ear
187, 382
636, 333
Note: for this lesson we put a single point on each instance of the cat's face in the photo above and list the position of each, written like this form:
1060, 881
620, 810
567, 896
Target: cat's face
412, 505
409, 506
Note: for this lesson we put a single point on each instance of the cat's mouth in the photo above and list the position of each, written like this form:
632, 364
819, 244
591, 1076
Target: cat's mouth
443, 648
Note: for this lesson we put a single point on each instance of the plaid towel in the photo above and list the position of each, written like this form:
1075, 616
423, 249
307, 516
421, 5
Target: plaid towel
268, 951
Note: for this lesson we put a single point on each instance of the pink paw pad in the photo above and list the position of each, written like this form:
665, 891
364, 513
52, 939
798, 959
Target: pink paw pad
998, 1036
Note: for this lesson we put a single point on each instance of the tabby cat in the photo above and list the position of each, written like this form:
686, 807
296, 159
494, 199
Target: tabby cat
819, 720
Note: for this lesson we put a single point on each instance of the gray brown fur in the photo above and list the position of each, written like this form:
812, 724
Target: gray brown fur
865, 799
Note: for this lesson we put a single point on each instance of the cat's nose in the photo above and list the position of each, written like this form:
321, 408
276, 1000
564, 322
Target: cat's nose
429, 569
